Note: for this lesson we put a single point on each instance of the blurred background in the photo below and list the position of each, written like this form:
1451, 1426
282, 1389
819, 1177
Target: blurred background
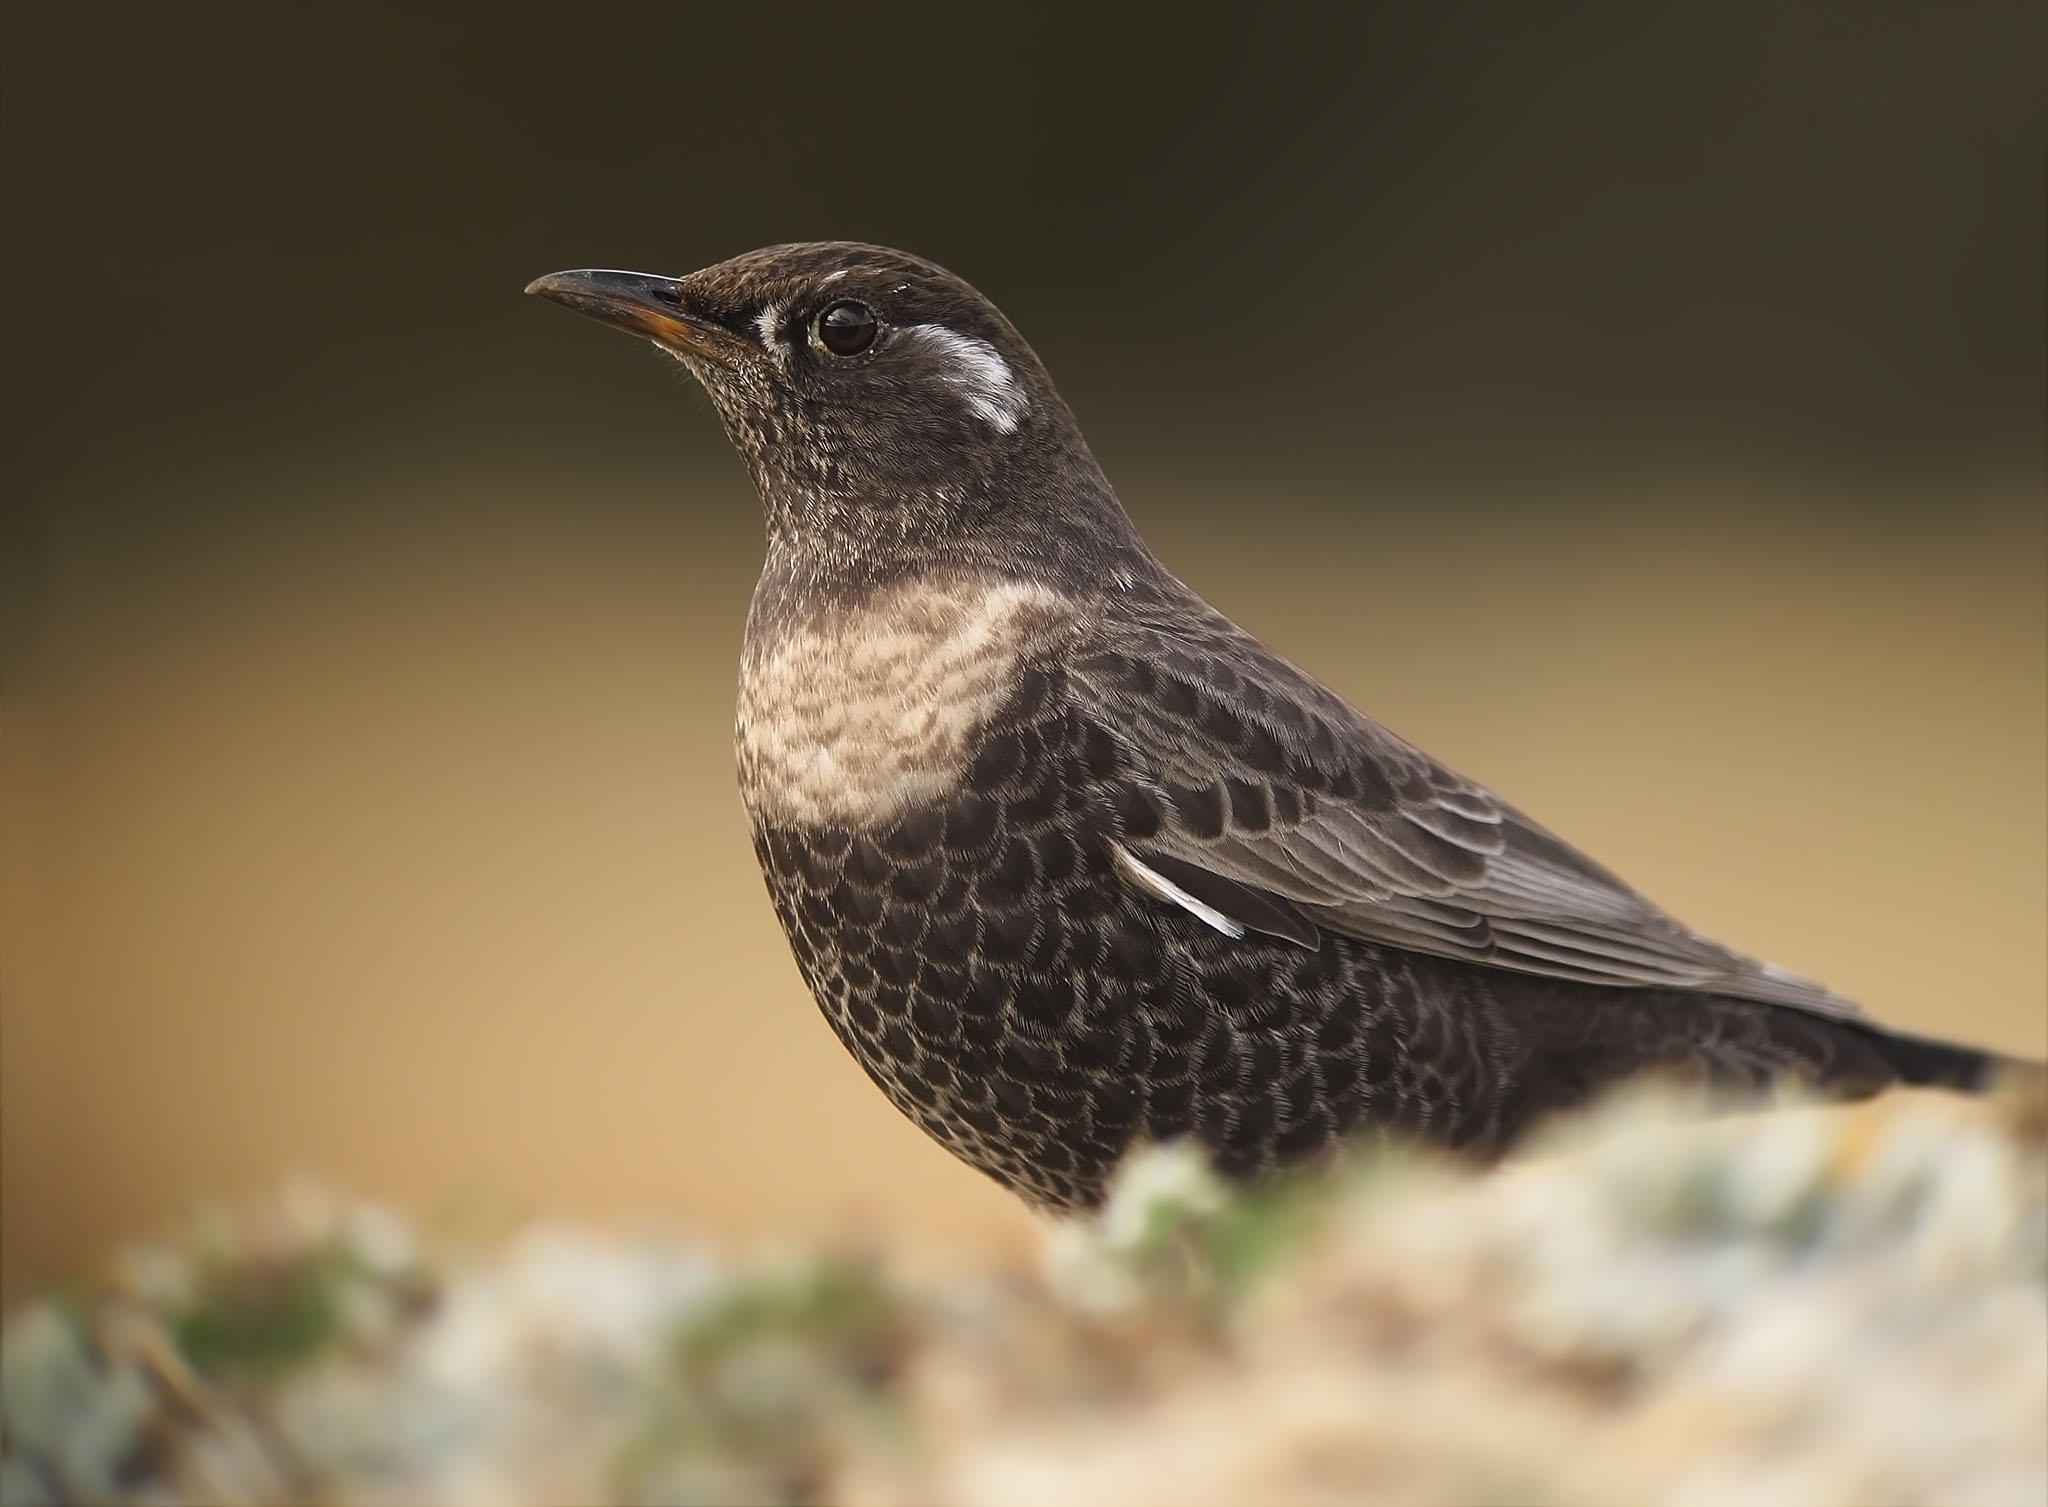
1640, 407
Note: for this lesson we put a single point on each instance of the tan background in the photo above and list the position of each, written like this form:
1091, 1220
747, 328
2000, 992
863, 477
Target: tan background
1641, 407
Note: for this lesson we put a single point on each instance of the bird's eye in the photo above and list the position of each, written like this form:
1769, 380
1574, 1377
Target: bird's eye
847, 328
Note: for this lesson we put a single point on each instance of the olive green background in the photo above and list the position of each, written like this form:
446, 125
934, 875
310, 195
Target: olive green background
1639, 406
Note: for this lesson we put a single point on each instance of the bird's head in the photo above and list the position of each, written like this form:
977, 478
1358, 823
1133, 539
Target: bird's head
888, 412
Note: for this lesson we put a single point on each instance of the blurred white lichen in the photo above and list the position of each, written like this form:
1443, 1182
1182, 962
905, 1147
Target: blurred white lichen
1818, 1305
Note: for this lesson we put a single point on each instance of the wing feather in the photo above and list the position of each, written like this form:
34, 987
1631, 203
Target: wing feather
1259, 775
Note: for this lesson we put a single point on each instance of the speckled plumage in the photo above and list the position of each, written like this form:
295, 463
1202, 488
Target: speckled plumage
1069, 860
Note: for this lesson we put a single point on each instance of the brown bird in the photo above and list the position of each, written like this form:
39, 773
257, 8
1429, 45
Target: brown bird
1071, 861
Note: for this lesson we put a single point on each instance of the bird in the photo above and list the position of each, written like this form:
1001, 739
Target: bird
1070, 861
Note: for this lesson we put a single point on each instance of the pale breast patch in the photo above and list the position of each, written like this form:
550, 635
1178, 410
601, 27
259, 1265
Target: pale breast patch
857, 716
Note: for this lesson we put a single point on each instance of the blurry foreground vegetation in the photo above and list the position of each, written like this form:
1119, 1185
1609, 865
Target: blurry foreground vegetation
1811, 1306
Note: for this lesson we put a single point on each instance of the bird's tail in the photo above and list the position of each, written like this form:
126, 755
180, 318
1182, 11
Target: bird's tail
1739, 1051
1743, 1046
1927, 1063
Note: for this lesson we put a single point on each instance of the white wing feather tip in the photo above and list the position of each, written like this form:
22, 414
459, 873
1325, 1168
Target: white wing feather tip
1160, 887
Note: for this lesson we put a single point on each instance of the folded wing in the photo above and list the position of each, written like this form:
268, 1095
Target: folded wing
1256, 789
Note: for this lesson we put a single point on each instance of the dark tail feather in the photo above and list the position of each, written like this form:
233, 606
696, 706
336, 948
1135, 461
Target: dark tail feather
1594, 1038
1925, 1062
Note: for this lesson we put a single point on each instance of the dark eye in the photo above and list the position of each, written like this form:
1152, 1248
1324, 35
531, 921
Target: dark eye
847, 329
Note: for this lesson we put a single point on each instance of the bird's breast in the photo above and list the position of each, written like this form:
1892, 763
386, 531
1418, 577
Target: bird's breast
853, 714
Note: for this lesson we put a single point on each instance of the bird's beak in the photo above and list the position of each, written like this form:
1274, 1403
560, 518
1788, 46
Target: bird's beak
641, 304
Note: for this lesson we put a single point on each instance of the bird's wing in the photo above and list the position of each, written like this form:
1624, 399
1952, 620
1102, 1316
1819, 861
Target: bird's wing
1249, 787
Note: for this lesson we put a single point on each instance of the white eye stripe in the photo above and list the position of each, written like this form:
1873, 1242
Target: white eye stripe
982, 377
769, 323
